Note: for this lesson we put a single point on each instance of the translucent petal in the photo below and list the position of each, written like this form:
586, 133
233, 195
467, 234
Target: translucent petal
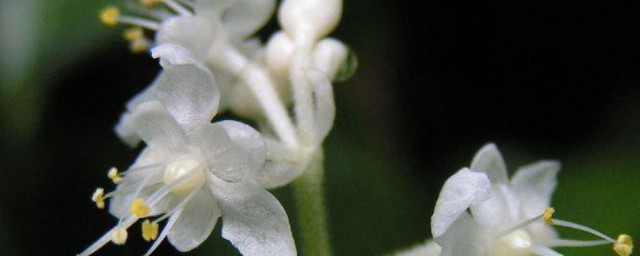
252, 219
463, 237
458, 193
429, 248
197, 220
280, 168
534, 184
489, 160
153, 124
212, 9
247, 16
249, 140
501, 210
227, 160
194, 33
186, 87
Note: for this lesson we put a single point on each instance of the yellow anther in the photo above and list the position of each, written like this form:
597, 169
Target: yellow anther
119, 235
114, 175
139, 46
548, 214
133, 34
110, 15
139, 208
98, 198
149, 3
149, 230
623, 246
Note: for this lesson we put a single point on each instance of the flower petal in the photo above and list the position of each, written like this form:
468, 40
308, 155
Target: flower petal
227, 159
533, 184
498, 212
194, 33
196, 221
281, 166
247, 139
489, 160
186, 87
463, 237
247, 16
458, 193
428, 248
152, 123
252, 219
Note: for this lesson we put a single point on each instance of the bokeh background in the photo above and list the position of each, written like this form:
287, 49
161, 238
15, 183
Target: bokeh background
437, 80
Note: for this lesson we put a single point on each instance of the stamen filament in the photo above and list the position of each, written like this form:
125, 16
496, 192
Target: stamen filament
177, 7
135, 21
571, 243
177, 207
519, 226
567, 224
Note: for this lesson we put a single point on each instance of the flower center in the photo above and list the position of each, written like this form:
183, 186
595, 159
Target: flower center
514, 244
187, 166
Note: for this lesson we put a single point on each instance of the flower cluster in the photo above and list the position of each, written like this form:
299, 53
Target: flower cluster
192, 171
481, 212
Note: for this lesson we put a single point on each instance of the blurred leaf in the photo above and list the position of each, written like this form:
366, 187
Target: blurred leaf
40, 38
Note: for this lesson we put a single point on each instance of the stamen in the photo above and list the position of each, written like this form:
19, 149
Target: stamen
149, 230
119, 235
114, 175
98, 198
139, 46
139, 208
624, 245
548, 213
567, 224
520, 225
150, 3
110, 16
177, 7
570, 243
137, 42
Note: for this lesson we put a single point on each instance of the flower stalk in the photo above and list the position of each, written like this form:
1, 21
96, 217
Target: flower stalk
308, 194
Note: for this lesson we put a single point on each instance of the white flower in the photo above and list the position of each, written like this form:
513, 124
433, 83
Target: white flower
428, 248
217, 32
481, 212
192, 171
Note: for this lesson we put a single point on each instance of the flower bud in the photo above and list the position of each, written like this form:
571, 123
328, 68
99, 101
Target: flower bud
329, 55
309, 20
278, 54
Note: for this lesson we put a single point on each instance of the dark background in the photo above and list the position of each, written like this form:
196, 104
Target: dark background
436, 81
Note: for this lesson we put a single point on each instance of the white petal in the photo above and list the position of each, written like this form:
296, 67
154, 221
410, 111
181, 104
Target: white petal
197, 220
246, 16
249, 140
186, 87
458, 193
153, 124
429, 248
463, 238
226, 159
534, 184
281, 167
253, 220
489, 160
194, 33
498, 212
212, 9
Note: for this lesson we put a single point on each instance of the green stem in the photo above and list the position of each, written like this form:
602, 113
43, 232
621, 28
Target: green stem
308, 194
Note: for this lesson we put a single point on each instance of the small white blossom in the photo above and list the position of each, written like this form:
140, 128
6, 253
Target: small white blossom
192, 171
481, 212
